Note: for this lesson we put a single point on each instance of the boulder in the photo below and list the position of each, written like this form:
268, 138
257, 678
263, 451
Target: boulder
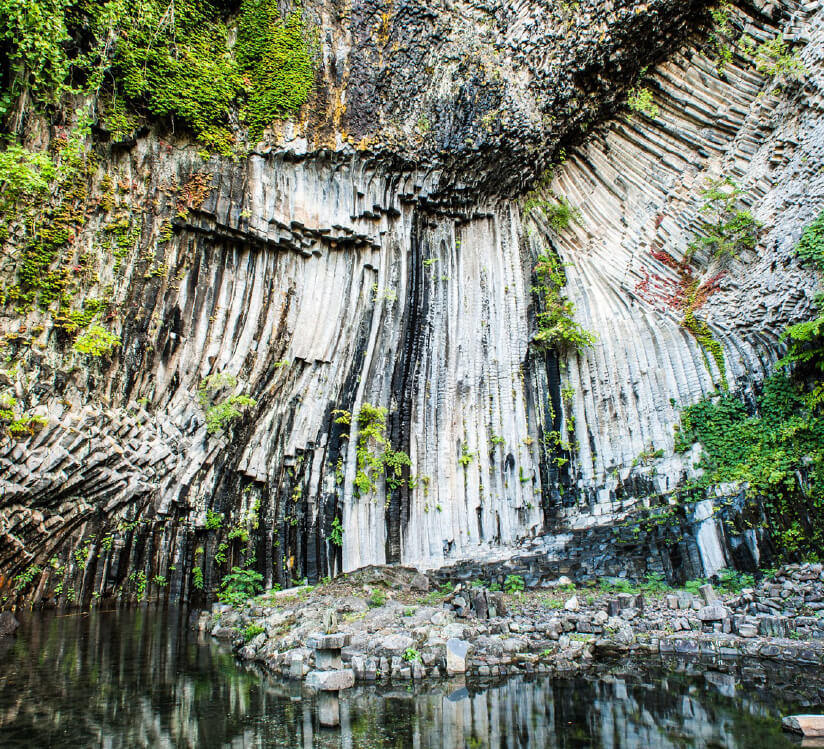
572, 604
807, 725
747, 630
456, 652
495, 604
396, 644
331, 681
421, 583
296, 666
333, 641
479, 605
708, 593
713, 613
773, 626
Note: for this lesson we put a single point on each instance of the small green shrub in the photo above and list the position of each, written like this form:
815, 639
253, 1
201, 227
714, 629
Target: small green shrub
514, 584
336, 536
556, 326
378, 598
619, 585
138, 579
240, 585
466, 456
375, 455
438, 595
24, 173
214, 520
197, 578
560, 214
774, 59
655, 582
640, 100
692, 586
25, 578
212, 384
722, 35
34, 36
96, 341
222, 415
734, 581
727, 229
251, 631
410, 655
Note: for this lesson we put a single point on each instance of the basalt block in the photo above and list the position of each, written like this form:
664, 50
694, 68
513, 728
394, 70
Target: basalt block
331, 681
811, 726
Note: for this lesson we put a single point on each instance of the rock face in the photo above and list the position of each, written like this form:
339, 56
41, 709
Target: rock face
398, 275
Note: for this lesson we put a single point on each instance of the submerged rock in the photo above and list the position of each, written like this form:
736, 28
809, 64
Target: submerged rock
8, 623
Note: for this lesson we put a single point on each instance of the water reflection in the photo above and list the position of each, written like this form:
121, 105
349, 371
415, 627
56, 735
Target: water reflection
141, 678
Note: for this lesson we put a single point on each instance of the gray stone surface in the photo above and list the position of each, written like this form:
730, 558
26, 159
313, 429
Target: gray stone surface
811, 726
331, 681
715, 612
332, 641
456, 652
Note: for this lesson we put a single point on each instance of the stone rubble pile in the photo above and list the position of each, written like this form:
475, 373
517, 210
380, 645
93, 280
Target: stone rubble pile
488, 633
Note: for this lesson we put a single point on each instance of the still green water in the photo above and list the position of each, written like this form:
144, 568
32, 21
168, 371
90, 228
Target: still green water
141, 678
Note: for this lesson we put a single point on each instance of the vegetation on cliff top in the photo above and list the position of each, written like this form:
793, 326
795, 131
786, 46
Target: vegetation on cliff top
168, 58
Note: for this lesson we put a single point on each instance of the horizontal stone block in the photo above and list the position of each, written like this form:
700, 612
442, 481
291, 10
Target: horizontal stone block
334, 641
806, 725
331, 681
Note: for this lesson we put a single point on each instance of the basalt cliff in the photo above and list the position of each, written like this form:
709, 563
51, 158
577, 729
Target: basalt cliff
446, 310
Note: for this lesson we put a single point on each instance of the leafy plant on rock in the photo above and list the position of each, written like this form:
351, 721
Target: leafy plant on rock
640, 100
239, 585
726, 228
777, 451
251, 631
775, 59
560, 214
336, 535
734, 581
191, 62
221, 414
96, 341
411, 655
375, 456
556, 324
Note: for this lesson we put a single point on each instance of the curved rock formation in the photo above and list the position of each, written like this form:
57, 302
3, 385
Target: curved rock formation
314, 276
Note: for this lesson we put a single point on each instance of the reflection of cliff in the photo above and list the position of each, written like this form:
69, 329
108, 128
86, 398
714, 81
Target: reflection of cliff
337, 278
141, 678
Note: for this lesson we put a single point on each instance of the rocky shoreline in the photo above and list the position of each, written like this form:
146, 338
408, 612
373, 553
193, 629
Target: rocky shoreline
391, 624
